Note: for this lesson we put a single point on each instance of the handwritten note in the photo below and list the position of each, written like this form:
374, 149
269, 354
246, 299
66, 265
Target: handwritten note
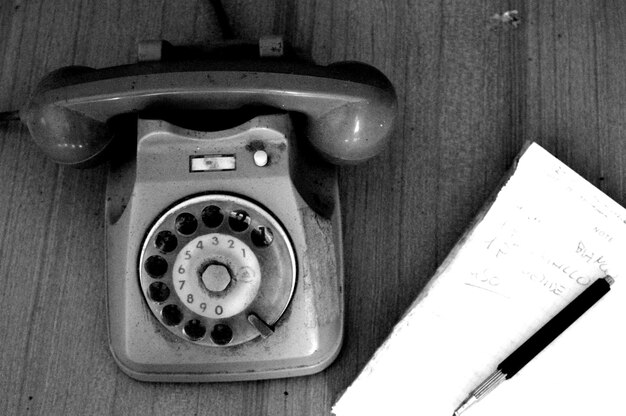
545, 237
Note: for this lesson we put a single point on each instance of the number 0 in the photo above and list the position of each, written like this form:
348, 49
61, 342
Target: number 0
219, 310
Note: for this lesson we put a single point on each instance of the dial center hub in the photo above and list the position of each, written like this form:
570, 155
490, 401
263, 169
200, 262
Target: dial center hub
216, 277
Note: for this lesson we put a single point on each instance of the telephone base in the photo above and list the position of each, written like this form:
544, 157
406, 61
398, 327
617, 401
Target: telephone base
306, 337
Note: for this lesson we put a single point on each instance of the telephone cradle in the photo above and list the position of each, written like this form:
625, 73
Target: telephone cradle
223, 222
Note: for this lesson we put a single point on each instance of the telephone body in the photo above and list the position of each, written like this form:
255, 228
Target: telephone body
223, 226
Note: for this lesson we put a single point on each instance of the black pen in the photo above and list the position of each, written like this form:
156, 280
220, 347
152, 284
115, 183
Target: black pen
541, 339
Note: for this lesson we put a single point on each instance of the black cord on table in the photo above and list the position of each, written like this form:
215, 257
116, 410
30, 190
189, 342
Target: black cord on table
9, 115
222, 19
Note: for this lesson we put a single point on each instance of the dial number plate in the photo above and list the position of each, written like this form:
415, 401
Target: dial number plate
217, 275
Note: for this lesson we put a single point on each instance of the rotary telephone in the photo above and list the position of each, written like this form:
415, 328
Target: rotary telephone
223, 230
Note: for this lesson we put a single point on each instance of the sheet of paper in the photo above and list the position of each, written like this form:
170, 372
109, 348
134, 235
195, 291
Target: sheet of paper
545, 238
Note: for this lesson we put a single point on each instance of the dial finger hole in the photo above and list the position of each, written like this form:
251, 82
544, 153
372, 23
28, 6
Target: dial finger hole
186, 223
156, 266
172, 315
239, 220
159, 292
212, 216
262, 236
194, 329
221, 334
166, 241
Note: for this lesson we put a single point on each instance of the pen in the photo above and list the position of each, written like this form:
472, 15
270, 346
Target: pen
539, 340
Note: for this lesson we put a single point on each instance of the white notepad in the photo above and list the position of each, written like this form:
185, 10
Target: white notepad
547, 235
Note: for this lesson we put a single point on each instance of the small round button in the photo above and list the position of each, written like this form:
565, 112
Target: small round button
216, 277
260, 158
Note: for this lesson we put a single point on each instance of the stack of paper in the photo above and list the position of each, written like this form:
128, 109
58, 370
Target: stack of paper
545, 236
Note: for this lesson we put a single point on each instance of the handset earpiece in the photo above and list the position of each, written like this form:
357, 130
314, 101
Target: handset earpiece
68, 137
358, 129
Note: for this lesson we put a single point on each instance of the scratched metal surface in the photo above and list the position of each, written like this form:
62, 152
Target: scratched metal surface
471, 90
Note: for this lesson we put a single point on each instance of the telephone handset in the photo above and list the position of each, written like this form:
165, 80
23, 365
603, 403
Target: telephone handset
224, 253
349, 107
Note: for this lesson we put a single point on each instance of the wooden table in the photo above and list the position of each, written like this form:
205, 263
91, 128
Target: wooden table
471, 90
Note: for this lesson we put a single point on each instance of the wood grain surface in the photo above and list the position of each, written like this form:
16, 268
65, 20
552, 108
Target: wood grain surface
471, 90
